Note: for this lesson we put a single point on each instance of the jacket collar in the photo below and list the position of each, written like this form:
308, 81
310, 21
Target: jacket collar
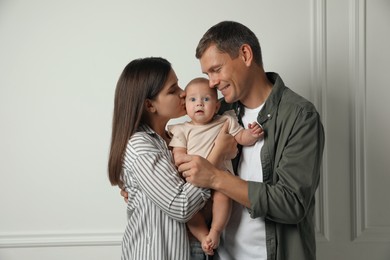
269, 109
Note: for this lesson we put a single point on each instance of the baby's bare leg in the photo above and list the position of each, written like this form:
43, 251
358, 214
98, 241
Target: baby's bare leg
221, 213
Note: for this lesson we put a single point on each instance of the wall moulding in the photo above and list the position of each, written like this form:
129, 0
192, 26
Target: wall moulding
21, 240
319, 90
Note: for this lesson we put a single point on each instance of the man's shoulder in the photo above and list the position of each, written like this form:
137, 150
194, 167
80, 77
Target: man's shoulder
292, 99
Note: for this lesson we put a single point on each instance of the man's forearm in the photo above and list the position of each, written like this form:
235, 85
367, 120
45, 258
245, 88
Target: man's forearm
232, 186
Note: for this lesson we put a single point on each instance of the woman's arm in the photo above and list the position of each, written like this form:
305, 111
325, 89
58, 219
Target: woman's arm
151, 170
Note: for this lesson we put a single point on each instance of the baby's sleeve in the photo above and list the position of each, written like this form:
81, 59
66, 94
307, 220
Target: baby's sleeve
234, 126
178, 136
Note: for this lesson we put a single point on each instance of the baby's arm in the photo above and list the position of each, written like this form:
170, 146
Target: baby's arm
177, 151
250, 136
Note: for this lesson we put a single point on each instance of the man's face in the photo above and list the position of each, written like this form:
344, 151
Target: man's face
225, 74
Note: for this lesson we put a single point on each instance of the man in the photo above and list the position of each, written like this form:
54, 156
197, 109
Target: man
272, 216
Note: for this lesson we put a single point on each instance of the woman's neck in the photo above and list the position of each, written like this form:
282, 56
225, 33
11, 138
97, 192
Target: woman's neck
159, 127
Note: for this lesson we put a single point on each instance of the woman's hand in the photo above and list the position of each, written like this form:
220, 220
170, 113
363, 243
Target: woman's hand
125, 195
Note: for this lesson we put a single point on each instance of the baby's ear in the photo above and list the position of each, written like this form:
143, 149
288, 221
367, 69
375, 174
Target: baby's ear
217, 106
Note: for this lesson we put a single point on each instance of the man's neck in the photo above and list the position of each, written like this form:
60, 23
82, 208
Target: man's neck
260, 90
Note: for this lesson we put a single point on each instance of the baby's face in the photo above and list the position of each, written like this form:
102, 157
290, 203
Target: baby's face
201, 103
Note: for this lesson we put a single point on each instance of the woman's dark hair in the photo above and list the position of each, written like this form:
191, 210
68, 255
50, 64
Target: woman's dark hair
228, 37
141, 79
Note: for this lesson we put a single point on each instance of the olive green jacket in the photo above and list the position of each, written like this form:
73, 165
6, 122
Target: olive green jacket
291, 159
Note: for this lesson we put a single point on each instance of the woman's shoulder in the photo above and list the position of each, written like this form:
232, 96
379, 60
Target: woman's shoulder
143, 142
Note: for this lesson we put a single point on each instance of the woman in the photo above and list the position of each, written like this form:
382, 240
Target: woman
160, 202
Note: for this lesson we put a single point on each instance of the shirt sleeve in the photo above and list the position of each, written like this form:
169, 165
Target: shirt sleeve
158, 179
178, 136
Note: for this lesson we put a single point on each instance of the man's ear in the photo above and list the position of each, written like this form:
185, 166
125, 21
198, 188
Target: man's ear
246, 53
149, 107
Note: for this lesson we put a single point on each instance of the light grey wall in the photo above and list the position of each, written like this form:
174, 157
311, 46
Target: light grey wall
59, 63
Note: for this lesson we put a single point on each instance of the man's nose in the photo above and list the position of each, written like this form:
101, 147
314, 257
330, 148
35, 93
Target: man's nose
213, 82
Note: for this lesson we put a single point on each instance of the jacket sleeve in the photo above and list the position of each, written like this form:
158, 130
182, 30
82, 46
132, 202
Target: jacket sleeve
286, 199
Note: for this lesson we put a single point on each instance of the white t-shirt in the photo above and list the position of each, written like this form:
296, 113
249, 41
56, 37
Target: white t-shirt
244, 237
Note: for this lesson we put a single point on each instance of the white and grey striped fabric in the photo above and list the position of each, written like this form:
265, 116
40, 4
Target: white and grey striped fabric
160, 201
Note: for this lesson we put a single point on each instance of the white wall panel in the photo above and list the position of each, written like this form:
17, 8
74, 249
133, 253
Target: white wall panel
372, 147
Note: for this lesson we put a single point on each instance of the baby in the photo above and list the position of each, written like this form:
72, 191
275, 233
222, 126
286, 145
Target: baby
197, 137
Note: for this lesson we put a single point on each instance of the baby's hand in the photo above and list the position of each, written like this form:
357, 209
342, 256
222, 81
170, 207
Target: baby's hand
256, 130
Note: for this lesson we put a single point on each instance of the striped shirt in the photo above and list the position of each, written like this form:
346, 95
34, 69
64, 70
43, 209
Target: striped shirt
160, 202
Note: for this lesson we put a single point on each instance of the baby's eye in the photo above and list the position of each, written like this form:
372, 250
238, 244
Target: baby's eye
206, 99
192, 99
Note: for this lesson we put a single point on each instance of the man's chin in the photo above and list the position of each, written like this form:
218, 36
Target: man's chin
228, 99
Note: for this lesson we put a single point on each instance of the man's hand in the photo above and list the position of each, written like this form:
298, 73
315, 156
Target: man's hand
201, 173
196, 170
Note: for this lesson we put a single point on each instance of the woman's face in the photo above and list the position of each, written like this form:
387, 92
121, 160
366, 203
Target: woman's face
169, 103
